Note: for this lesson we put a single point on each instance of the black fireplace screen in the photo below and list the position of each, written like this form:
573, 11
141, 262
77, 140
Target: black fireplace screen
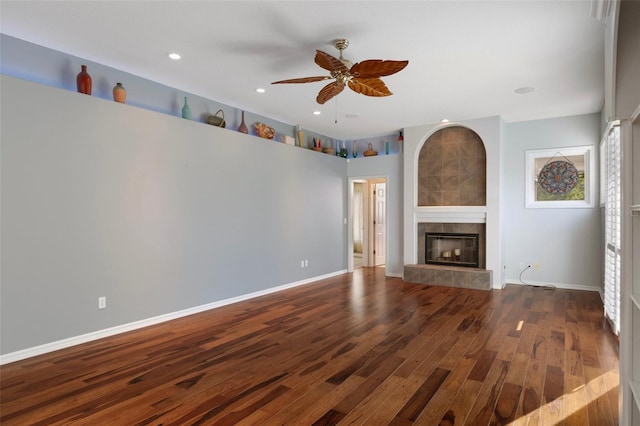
452, 249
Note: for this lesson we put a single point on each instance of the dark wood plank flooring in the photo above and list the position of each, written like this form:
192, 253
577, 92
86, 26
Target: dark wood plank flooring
355, 349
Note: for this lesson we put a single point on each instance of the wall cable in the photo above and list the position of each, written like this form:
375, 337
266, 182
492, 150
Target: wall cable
543, 287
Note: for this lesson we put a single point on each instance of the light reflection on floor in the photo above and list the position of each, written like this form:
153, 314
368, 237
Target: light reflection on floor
572, 401
356, 299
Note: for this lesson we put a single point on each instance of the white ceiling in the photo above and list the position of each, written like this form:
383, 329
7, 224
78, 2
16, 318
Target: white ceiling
466, 58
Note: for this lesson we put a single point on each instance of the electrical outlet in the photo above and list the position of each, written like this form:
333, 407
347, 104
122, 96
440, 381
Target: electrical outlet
536, 266
102, 302
302, 263
306, 263
521, 265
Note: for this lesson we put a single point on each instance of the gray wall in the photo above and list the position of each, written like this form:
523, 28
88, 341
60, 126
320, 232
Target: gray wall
566, 243
156, 213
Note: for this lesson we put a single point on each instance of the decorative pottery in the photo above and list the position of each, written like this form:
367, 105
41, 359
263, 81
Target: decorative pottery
329, 151
370, 152
217, 119
386, 148
243, 127
317, 145
83, 81
186, 109
119, 93
264, 131
342, 150
289, 140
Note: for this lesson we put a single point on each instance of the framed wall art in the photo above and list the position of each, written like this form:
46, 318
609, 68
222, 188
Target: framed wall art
560, 177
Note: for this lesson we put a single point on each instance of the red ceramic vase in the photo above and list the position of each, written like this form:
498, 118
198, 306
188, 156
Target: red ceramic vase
83, 81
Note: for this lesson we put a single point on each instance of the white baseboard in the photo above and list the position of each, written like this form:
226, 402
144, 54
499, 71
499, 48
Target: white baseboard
557, 285
84, 338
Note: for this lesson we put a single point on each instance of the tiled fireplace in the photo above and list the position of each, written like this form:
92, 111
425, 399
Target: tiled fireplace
449, 267
457, 229
450, 217
453, 249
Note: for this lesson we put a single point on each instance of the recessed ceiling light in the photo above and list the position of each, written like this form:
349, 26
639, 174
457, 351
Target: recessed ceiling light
174, 56
524, 90
444, 120
316, 113
260, 90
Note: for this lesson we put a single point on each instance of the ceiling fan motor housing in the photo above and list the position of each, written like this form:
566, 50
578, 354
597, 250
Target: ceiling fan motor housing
341, 44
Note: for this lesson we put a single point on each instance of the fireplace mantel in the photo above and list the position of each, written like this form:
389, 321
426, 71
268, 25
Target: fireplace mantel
450, 215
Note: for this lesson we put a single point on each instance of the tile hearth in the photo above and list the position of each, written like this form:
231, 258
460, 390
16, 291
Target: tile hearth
448, 276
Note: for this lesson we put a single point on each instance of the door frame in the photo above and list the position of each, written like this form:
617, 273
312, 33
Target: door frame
367, 179
372, 223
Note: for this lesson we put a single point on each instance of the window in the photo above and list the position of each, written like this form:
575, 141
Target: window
612, 252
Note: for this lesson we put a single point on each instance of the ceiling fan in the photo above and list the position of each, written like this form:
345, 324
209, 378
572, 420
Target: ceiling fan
362, 77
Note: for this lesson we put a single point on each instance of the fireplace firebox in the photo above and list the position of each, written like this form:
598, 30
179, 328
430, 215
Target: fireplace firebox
452, 249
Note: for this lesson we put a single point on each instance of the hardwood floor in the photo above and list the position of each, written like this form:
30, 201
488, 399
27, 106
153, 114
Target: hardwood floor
355, 349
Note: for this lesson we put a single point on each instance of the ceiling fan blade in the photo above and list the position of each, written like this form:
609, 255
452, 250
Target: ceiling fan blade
369, 87
376, 68
329, 91
303, 80
329, 63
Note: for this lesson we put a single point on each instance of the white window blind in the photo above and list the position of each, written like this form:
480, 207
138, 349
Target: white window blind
612, 229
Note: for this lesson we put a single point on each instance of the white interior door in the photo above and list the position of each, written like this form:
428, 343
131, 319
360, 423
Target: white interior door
379, 223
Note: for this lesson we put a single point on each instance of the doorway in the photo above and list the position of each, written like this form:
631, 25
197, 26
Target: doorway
368, 230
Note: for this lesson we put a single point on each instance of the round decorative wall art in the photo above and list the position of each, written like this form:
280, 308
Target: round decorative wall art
558, 177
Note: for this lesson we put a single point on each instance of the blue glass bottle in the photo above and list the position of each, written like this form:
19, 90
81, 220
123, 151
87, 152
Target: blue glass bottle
186, 110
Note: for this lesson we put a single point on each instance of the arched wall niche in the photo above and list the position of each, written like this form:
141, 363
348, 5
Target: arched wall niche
452, 169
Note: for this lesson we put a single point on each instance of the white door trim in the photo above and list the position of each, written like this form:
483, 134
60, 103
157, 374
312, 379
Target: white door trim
367, 179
